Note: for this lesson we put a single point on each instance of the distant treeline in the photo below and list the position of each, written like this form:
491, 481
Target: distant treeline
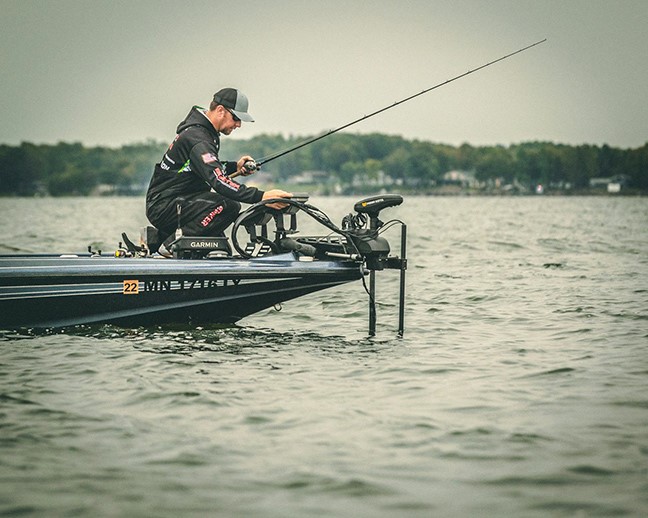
343, 160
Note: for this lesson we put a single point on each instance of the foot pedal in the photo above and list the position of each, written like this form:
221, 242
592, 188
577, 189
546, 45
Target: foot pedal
150, 239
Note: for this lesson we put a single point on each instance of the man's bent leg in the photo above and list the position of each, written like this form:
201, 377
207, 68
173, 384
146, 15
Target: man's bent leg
208, 215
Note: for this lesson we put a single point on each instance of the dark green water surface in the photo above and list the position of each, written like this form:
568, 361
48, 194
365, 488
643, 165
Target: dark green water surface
519, 389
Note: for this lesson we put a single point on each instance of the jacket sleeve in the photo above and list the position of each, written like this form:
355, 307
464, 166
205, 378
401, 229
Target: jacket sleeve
205, 164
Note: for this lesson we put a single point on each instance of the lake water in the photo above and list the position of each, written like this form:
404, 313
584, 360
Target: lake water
520, 387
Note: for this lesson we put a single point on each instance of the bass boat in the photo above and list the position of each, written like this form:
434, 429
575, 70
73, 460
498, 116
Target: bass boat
204, 281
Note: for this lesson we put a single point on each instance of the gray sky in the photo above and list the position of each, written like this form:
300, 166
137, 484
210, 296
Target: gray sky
115, 72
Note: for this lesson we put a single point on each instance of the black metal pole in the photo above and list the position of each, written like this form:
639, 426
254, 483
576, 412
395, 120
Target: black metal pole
373, 225
372, 303
401, 300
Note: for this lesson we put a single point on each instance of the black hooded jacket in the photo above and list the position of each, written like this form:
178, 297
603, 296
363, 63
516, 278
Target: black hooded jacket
191, 166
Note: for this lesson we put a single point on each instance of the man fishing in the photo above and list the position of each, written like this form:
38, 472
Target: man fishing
191, 187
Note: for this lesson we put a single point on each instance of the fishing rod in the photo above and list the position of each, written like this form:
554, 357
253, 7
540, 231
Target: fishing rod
252, 165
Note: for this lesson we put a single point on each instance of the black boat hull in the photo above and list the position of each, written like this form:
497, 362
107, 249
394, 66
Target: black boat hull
54, 291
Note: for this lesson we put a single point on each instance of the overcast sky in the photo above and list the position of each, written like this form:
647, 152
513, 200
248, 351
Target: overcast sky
115, 72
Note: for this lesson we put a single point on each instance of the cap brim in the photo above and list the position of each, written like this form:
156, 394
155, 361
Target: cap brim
244, 116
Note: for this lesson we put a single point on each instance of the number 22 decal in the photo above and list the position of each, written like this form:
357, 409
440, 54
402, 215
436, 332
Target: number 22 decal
131, 287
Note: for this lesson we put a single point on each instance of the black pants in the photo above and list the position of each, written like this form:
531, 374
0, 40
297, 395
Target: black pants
204, 214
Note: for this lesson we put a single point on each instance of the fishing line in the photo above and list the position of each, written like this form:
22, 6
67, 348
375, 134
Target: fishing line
271, 157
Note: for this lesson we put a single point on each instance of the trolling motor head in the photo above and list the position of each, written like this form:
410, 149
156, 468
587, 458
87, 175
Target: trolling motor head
374, 204
369, 244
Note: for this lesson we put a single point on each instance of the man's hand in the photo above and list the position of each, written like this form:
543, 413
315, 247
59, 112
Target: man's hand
276, 193
246, 166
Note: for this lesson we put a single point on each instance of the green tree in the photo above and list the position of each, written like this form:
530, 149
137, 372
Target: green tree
71, 168
495, 162
636, 167
72, 180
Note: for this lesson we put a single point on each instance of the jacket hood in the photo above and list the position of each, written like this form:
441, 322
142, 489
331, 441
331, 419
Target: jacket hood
196, 117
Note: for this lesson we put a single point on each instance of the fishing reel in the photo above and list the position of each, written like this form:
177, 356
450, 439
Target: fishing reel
250, 167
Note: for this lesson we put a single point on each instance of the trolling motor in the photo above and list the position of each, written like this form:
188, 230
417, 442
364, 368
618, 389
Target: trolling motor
375, 249
358, 240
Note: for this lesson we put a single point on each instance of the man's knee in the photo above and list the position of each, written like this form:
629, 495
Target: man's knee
221, 217
233, 207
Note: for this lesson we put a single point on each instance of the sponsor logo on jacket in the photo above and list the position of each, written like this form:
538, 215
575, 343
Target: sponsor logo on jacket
185, 167
208, 219
225, 180
167, 162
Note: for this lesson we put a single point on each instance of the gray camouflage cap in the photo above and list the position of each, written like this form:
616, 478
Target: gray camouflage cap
235, 101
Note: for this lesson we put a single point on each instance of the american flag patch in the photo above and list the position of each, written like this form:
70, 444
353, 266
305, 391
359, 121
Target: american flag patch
208, 158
